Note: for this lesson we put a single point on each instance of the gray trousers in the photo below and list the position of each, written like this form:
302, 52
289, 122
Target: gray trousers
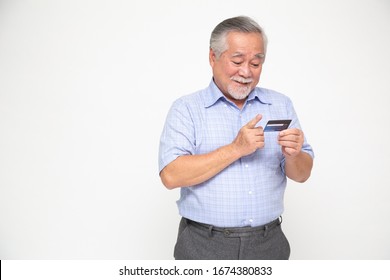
198, 241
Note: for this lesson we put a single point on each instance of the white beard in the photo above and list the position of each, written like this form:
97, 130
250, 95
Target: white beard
239, 92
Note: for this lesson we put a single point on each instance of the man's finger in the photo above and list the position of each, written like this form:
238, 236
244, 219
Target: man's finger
290, 131
252, 123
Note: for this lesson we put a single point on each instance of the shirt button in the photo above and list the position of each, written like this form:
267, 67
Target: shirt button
246, 165
250, 192
250, 221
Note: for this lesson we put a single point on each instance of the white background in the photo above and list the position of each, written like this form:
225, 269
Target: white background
85, 87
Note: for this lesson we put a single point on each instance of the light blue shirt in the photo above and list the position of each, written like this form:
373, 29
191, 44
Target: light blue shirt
250, 191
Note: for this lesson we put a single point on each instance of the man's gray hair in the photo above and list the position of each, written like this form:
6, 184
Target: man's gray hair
236, 24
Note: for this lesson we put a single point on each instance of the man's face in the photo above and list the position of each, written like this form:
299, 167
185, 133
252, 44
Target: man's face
237, 71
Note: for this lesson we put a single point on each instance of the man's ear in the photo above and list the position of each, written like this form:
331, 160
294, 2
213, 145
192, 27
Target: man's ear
212, 57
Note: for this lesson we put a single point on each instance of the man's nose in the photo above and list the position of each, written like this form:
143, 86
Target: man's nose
244, 71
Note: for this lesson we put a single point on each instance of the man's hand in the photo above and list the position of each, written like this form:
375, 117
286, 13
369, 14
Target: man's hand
291, 141
250, 138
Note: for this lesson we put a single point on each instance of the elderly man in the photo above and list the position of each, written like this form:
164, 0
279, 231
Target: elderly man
231, 173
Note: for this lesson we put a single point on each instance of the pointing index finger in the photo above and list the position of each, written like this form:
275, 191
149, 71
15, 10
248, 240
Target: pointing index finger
252, 123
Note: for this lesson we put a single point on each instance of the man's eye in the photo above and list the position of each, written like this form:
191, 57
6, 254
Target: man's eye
255, 65
237, 62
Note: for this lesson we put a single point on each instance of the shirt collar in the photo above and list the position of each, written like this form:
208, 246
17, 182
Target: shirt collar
214, 94
261, 95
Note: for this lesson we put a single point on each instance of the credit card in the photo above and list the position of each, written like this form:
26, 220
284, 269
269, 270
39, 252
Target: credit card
277, 125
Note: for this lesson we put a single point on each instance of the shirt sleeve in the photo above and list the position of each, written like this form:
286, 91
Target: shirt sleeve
295, 124
178, 135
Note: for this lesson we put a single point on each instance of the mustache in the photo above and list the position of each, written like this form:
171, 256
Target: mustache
241, 80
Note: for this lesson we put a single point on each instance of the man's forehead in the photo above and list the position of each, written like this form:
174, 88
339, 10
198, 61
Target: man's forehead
240, 37
239, 43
